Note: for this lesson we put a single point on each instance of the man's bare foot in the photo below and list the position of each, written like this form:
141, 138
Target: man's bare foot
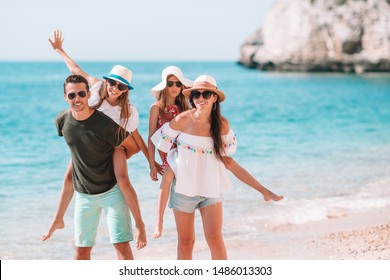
271, 196
141, 238
53, 227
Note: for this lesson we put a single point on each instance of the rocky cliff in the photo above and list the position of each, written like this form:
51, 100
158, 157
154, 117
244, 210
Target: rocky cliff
322, 35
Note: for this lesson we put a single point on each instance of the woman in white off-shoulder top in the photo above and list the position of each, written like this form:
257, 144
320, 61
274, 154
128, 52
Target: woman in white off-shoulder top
204, 142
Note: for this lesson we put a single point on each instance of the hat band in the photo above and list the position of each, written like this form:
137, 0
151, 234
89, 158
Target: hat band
204, 84
119, 78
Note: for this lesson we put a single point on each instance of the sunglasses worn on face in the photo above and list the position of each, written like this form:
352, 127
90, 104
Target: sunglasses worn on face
170, 84
118, 85
206, 94
72, 95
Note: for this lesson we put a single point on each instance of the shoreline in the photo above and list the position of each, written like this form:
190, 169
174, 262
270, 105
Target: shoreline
351, 235
358, 235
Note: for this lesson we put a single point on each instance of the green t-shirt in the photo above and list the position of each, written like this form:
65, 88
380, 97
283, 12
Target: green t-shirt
91, 143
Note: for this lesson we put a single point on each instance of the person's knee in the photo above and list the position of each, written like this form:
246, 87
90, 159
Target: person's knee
132, 152
131, 148
83, 253
122, 246
136, 149
169, 174
187, 242
123, 251
214, 237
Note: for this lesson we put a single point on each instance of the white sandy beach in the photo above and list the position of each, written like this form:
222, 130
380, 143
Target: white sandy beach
351, 236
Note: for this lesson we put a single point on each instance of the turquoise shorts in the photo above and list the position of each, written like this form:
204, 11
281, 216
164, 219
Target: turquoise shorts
87, 215
189, 204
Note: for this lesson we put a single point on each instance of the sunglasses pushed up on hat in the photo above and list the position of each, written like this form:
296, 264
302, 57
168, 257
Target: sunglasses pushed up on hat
118, 85
72, 95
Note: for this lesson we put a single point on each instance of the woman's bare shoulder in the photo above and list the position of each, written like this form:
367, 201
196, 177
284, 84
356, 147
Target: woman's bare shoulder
155, 108
182, 120
186, 114
156, 105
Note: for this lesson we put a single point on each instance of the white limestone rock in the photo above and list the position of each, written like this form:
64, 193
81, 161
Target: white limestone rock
322, 35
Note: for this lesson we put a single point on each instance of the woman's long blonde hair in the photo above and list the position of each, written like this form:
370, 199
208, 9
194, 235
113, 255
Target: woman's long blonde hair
124, 103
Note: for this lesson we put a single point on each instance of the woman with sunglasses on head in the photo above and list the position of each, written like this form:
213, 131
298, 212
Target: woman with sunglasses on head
204, 142
111, 96
169, 103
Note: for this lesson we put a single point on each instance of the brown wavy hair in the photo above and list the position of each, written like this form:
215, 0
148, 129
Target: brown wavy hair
216, 128
180, 101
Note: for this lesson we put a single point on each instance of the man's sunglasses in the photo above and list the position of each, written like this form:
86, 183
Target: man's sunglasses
118, 85
195, 94
72, 95
170, 84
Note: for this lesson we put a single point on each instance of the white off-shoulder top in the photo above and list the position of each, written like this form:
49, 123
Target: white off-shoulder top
114, 112
197, 170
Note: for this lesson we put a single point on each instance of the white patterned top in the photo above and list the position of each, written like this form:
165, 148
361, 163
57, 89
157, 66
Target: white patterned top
114, 112
198, 171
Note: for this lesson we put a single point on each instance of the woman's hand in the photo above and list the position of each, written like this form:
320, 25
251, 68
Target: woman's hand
159, 167
155, 169
58, 39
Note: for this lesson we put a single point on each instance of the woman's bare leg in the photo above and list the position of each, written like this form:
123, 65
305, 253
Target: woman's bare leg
131, 147
163, 196
185, 234
212, 226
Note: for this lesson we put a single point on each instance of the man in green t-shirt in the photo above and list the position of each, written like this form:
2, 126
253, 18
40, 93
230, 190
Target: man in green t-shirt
92, 137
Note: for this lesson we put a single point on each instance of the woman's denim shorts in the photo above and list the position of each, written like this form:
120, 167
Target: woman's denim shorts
188, 204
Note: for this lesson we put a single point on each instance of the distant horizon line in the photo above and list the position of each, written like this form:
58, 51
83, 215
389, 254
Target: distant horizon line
116, 60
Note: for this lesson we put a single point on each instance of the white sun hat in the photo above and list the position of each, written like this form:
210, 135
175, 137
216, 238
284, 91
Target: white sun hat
120, 74
205, 82
170, 70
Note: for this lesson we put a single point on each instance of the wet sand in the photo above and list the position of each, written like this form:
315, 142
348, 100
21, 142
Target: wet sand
362, 235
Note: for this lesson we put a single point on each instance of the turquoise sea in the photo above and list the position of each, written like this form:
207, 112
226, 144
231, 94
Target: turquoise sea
321, 140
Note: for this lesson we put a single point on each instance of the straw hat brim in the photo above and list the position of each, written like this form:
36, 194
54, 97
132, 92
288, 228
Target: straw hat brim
221, 95
116, 79
155, 91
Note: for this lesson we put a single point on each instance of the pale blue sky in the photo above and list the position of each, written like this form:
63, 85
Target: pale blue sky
129, 30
